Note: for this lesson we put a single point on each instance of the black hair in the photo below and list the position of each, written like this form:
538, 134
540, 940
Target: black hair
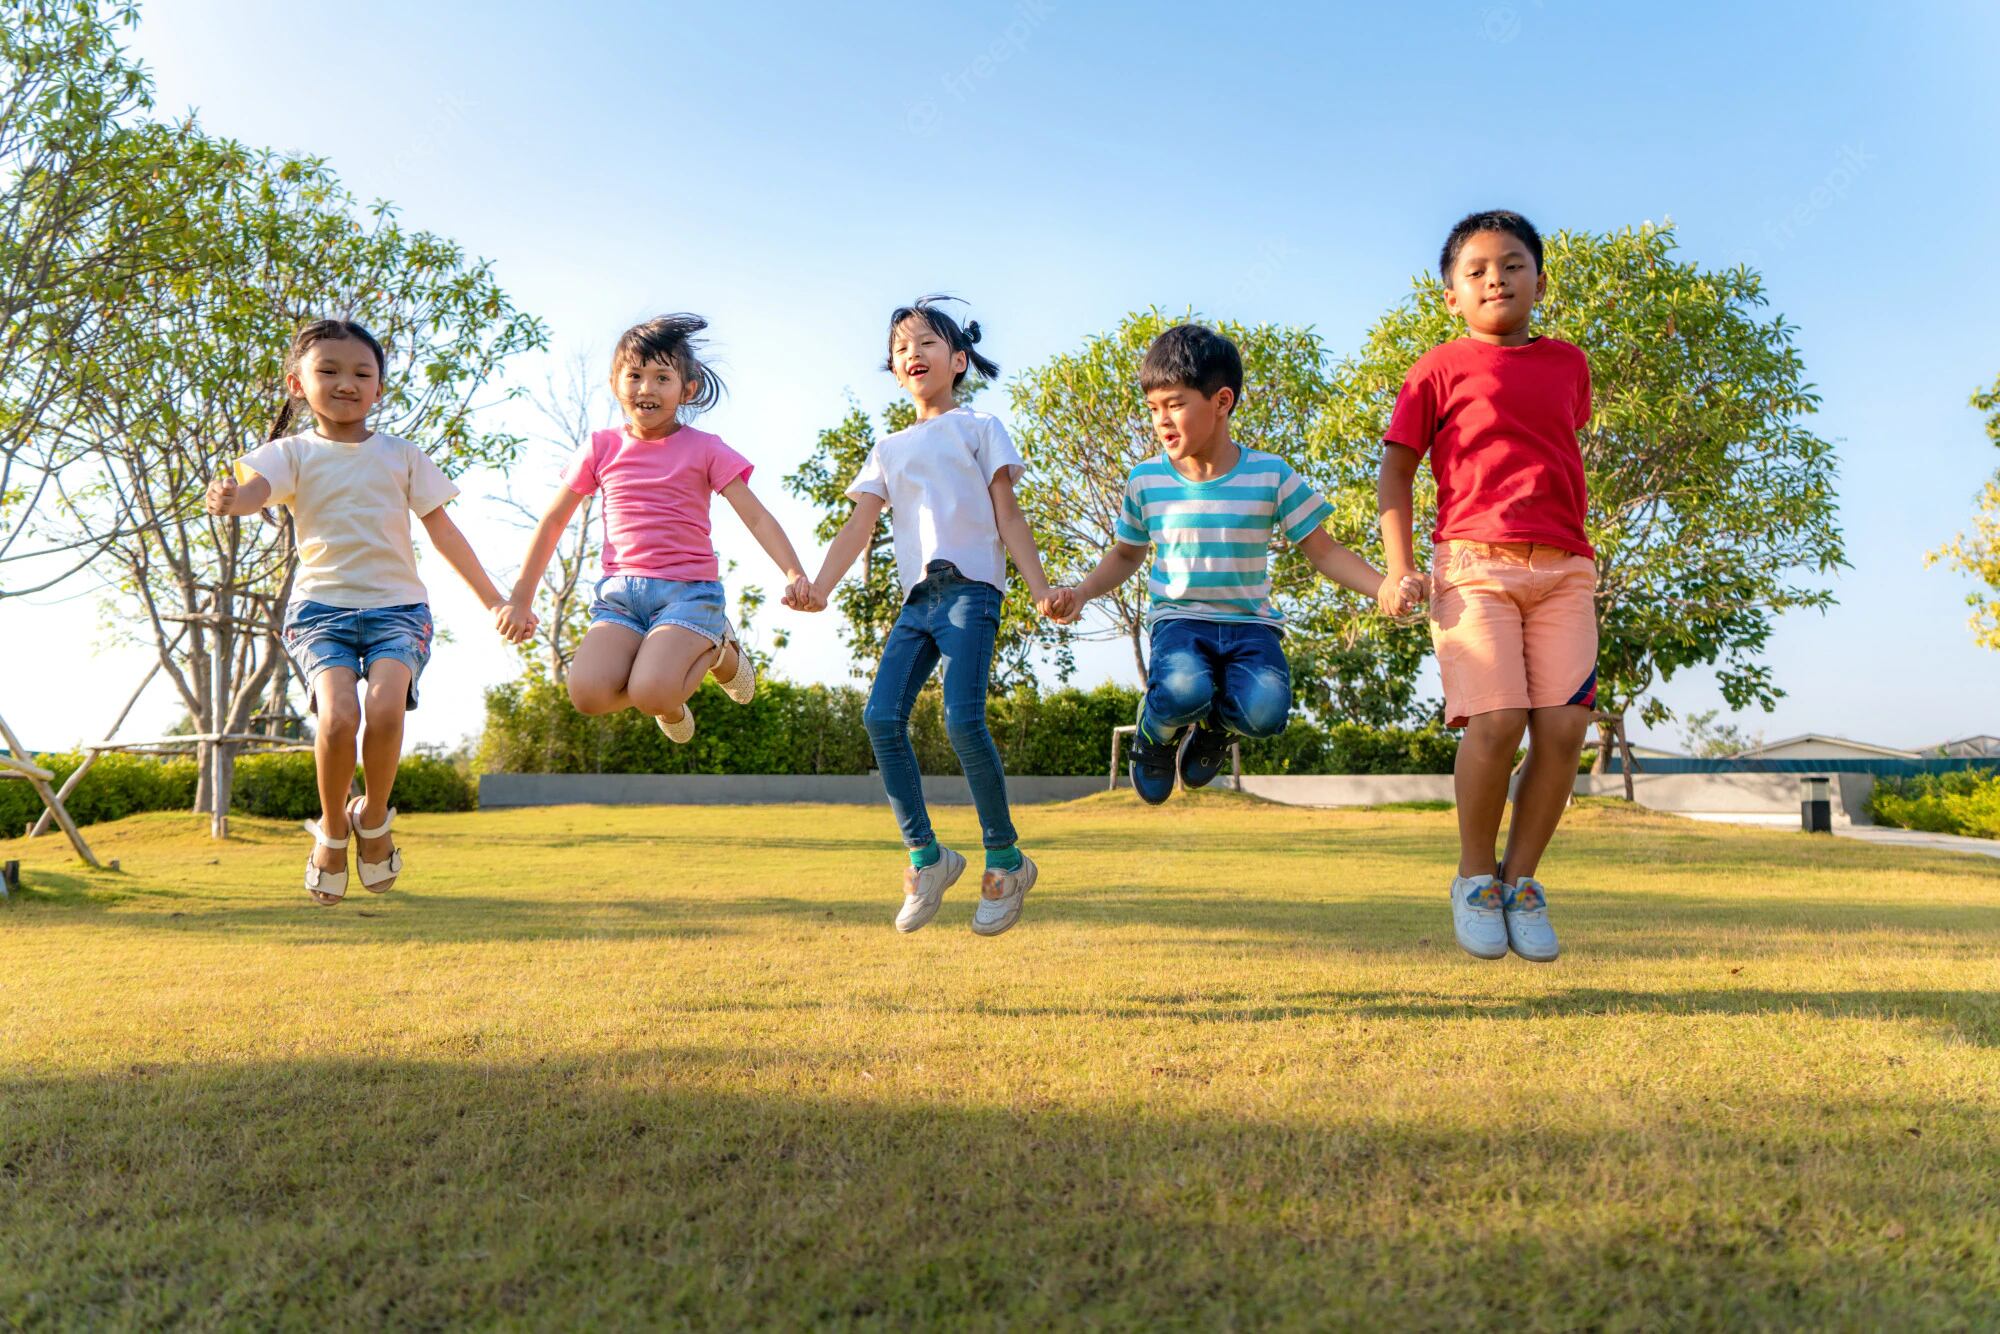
320, 331
671, 339
940, 322
1195, 356
1491, 220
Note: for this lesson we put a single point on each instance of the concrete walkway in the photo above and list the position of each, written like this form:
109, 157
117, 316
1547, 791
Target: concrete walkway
1865, 833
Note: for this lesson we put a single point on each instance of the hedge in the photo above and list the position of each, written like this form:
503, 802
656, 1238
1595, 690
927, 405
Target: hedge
531, 727
281, 786
1963, 802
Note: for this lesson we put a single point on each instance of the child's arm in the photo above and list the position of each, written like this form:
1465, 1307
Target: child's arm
520, 603
1395, 492
770, 536
451, 544
226, 496
1349, 570
848, 544
1120, 561
1020, 542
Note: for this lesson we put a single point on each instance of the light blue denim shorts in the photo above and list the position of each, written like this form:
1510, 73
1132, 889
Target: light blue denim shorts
320, 636
643, 605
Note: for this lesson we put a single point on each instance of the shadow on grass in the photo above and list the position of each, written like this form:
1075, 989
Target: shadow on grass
629, 1190
1973, 1016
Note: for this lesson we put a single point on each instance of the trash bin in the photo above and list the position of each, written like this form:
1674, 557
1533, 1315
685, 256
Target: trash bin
1815, 804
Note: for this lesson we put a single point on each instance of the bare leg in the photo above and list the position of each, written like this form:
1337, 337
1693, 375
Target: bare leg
725, 665
1555, 739
1485, 762
382, 750
602, 667
667, 670
339, 718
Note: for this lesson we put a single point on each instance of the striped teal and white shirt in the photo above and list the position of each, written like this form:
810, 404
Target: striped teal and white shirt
1212, 540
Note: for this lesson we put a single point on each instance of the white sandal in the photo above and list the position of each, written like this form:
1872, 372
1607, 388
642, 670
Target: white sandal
741, 687
318, 877
376, 877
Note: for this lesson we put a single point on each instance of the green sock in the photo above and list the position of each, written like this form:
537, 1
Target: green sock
1003, 859
927, 855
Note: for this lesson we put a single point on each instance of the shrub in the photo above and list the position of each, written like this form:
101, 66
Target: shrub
432, 783
531, 727
285, 786
116, 786
1963, 801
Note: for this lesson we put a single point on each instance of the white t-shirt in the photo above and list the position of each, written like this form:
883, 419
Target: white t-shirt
351, 506
935, 476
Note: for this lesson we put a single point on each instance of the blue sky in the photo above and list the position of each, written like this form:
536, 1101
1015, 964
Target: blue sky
793, 171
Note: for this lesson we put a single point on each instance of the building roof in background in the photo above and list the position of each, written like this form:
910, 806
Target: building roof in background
1825, 745
1967, 747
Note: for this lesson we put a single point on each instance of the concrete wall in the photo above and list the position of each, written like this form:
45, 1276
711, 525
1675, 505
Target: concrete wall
1729, 793
748, 789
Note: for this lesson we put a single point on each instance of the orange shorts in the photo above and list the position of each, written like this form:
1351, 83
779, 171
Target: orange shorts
1514, 625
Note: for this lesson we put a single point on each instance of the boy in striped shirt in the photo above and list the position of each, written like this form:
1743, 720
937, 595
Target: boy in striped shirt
1209, 507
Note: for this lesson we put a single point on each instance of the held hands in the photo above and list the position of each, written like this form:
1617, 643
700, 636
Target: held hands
514, 622
221, 496
802, 595
1059, 605
1401, 597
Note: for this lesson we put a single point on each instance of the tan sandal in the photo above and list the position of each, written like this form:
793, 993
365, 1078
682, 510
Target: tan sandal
376, 877
318, 878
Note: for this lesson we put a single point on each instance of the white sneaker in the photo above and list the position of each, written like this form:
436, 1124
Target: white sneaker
993, 916
681, 730
1528, 929
924, 887
741, 687
1477, 916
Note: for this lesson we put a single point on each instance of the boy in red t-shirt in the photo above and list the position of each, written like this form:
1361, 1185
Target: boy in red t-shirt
1514, 579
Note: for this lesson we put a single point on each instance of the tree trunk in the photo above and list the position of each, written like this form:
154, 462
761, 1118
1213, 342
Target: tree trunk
1139, 649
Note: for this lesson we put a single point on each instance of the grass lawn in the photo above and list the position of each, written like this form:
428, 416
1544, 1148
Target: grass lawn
674, 1066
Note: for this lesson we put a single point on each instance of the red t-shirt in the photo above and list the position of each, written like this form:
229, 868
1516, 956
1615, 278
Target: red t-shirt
1499, 425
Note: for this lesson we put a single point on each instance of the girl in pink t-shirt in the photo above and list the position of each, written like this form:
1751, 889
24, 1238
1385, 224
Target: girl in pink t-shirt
658, 625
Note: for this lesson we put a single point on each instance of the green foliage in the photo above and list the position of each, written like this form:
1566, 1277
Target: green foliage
1712, 504
531, 727
1082, 423
115, 787
1965, 801
285, 786
1977, 552
1709, 739
872, 594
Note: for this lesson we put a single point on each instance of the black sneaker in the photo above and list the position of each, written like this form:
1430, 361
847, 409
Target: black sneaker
1202, 758
1152, 769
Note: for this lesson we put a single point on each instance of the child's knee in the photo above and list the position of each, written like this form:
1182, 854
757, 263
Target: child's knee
883, 720
1498, 729
1180, 692
1261, 710
966, 727
592, 699
339, 718
656, 697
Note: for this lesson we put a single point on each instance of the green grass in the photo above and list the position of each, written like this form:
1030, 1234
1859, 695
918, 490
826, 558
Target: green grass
674, 1066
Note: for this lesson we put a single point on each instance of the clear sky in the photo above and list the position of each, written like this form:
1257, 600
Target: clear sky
792, 171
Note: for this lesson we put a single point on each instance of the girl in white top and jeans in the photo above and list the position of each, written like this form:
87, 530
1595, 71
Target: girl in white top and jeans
358, 610
949, 480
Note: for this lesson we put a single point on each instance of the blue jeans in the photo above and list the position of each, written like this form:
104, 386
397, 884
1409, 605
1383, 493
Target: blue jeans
951, 618
1230, 673
320, 636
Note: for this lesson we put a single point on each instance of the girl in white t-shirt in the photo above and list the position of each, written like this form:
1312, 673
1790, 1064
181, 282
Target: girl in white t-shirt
358, 611
948, 480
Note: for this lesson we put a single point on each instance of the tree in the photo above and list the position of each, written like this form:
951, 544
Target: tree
77, 228
871, 601
1977, 553
1712, 740
1712, 503
190, 376
1083, 424
572, 408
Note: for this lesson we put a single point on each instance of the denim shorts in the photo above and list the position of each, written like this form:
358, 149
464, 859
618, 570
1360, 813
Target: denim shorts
320, 637
642, 604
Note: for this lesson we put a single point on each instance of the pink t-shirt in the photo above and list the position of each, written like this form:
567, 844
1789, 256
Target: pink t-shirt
656, 495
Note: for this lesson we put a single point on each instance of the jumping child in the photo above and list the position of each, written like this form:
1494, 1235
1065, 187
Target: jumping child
1513, 610
659, 622
949, 480
1209, 507
358, 611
